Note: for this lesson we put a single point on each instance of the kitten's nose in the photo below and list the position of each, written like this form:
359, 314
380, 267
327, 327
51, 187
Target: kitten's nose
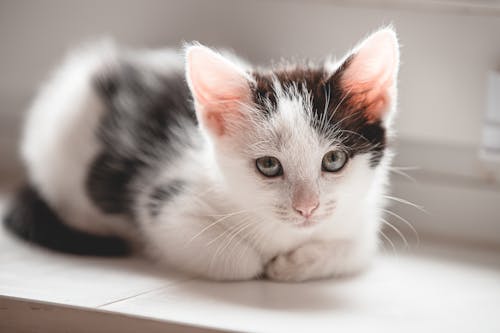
305, 199
306, 208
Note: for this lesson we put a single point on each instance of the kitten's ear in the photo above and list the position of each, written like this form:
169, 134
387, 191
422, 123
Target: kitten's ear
369, 74
220, 88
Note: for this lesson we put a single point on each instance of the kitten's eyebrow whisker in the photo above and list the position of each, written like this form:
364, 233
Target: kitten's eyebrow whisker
322, 121
337, 124
355, 133
336, 129
332, 130
342, 101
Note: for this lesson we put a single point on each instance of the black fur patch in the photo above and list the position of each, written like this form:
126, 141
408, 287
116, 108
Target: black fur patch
136, 133
32, 219
108, 182
163, 193
360, 134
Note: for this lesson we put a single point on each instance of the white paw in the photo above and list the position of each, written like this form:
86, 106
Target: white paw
301, 264
315, 261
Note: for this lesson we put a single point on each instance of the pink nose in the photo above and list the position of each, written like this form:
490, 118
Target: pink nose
306, 209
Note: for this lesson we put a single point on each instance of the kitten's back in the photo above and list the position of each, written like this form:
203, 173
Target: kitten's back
101, 105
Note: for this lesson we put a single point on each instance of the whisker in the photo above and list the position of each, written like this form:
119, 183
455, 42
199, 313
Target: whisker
406, 222
411, 168
341, 101
332, 114
214, 223
227, 230
406, 202
254, 238
232, 237
389, 241
327, 104
398, 232
400, 172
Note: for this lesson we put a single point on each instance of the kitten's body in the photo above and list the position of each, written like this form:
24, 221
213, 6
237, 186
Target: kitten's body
116, 147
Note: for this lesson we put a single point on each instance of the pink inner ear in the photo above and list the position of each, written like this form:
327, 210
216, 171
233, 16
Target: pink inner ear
370, 76
218, 86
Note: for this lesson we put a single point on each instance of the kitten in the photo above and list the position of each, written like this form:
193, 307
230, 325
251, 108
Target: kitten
209, 165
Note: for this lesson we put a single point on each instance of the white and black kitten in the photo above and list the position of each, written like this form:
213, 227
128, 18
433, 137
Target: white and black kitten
209, 165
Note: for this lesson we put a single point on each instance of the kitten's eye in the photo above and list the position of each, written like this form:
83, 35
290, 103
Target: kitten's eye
334, 161
269, 166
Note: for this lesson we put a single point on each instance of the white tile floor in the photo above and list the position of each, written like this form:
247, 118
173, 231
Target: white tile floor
431, 289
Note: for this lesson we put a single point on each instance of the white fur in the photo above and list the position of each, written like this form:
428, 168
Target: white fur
230, 223
59, 142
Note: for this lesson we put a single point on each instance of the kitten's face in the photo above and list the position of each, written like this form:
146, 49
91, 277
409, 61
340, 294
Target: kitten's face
303, 153
298, 146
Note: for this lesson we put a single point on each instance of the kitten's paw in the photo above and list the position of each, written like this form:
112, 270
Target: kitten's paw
298, 265
317, 260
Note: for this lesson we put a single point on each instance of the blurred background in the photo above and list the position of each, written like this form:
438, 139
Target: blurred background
449, 120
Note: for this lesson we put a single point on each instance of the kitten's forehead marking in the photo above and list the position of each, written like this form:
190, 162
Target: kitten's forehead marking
290, 136
291, 119
329, 110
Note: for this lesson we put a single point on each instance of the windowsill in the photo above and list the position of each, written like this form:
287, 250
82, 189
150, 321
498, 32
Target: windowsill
426, 288
458, 193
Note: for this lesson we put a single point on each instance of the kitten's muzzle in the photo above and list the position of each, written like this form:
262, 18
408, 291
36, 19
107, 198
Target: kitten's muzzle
305, 200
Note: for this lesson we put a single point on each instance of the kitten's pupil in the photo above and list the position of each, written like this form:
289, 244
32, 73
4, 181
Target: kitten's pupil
269, 166
334, 161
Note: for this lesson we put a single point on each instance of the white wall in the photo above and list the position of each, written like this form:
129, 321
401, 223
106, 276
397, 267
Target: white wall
446, 55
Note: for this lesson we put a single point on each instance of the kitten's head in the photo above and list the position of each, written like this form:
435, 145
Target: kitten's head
301, 143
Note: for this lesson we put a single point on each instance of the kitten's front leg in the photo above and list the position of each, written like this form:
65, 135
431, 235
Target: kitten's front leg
320, 259
206, 249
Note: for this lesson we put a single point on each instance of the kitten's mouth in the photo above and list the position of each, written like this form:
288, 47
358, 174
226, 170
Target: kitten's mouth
307, 223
